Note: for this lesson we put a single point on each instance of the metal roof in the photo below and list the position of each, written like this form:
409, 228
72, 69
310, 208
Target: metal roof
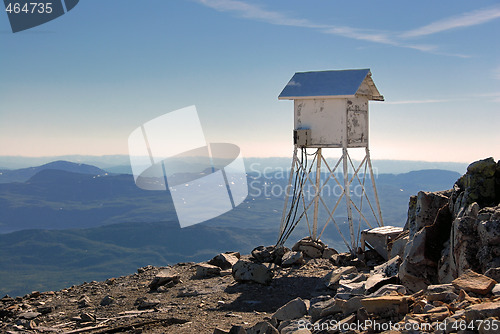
339, 83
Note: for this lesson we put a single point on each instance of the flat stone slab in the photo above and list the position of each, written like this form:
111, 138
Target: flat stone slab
482, 311
471, 281
386, 305
29, 315
294, 309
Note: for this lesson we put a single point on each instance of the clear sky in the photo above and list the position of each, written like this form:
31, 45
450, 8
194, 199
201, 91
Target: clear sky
82, 83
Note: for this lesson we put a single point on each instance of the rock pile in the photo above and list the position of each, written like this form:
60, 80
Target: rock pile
467, 303
441, 275
451, 231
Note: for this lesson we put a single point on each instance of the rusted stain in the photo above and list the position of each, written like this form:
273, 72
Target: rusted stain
357, 114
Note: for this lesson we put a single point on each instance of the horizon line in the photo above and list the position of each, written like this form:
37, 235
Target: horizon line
245, 157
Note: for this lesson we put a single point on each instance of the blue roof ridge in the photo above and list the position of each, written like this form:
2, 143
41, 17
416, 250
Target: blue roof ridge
328, 83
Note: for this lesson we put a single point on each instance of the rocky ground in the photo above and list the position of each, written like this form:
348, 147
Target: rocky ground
439, 275
192, 305
314, 295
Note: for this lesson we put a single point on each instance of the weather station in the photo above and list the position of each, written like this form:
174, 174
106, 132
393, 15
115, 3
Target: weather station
331, 113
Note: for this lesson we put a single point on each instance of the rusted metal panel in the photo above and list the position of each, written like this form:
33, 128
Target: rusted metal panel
357, 122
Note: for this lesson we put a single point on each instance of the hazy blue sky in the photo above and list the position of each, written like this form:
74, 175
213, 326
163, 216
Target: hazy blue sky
82, 83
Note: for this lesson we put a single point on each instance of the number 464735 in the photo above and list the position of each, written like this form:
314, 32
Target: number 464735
29, 7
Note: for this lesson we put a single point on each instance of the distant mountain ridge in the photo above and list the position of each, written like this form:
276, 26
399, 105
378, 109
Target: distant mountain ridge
121, 163
24, 174
61, 199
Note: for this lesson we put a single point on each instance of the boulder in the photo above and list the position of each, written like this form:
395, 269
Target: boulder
263, 254
426, 209
310, 248
398, 245
329, 252
489, 232
294, 309
107, 300
278, 254
438, 313
7, 299
362, 316
29, 315
144, 303
464, 246
262, 327
495, 291
341, 259
269, 254
480, 184
226, 272
225, 260
443, 245
370, 257
87, 317
352, 305
292, 258
352, 284
415, 278
445, 274
344, 323
386, 306
164, 277
237, 330
376, 281
318, 304
336, 307
442, 292
389, 268
45, 309
482, 311
429, 225
294, 327
389, 289
204, 270
489, 326
410, 219
493, 271
487, 251
84, 301
35, 294
475, 233
332, 278
250, 271
346, 291
144, 269
471, 281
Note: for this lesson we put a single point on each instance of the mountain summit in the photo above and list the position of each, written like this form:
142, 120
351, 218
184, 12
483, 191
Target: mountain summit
24, 174
441, 276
